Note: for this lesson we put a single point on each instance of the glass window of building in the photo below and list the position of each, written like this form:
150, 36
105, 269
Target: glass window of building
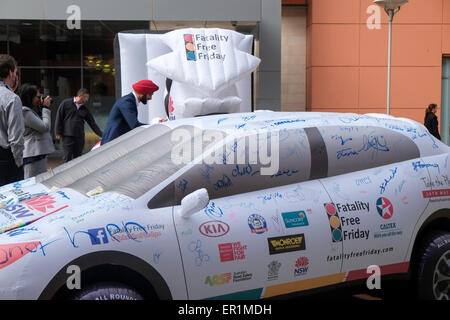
61, 61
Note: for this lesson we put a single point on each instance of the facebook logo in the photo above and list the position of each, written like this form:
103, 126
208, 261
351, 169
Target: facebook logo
98, 236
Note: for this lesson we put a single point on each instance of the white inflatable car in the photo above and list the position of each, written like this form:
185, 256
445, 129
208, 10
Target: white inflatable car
237, 206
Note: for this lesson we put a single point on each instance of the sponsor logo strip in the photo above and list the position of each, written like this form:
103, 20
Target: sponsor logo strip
301, 285
214, 229
289, 243
257, 224
232, 251
241, 295
295, 219
436, 193
385, 270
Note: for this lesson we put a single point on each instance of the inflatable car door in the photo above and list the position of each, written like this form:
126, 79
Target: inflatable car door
199, 71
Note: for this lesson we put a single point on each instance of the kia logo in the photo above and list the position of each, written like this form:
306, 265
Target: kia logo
214, 229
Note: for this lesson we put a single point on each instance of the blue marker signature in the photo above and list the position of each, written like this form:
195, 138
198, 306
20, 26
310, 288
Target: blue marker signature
284, 172
243, 170
375, 143
349, 119
206, 171
248, 118
386, 181
417, 165
20, 231
182, 185
272, 196
201, 256
370, 142
286, 121
213, 211
223, 183
156, 257
343, 141
64, 195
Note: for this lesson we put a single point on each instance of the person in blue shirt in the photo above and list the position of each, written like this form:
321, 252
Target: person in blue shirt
123, 115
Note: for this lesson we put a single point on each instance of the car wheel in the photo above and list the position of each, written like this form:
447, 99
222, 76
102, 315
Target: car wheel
108, 291
433, 274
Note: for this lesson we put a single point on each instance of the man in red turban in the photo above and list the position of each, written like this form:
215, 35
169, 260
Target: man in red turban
123, 115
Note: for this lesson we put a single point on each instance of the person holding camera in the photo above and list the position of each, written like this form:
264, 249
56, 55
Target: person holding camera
37, 119
69, 124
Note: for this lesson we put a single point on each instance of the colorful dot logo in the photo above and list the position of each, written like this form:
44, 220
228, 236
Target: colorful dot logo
335, 223
385, 208
190, 47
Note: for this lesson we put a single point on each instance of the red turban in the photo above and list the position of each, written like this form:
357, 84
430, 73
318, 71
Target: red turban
145, 87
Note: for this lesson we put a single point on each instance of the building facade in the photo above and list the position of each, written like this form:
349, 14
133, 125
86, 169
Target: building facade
347, 54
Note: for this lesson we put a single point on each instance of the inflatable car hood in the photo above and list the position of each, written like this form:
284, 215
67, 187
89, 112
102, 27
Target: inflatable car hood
199, 71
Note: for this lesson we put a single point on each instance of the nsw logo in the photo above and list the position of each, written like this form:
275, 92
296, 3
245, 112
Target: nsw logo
40, 203
385, 208
214, 229
301, 266
98, 236
257, 224
295, 219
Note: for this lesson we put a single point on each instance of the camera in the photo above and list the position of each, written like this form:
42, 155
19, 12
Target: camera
45, 97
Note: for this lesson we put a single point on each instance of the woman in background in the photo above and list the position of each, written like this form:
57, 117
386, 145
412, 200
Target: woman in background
38, 142
431, 121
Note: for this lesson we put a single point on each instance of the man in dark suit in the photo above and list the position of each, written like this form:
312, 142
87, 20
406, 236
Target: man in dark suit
123, 115
69, 124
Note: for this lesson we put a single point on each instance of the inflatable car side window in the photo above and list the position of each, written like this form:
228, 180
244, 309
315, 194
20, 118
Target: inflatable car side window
304, 154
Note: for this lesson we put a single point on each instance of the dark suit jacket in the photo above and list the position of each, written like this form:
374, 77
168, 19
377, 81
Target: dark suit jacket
70, 121
431, 122
122, 118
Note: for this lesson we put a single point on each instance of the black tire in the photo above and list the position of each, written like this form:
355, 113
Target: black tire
108, 291
434, 260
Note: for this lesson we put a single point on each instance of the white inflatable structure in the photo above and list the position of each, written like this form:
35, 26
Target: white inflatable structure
200, 71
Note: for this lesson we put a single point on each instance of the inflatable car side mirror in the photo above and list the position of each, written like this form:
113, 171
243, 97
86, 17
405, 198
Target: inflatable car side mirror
194, 202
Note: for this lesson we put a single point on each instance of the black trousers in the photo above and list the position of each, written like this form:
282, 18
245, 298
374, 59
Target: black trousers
9, 172
73, 147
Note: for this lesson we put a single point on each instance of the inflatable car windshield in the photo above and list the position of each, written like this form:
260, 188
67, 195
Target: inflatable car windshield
233, 206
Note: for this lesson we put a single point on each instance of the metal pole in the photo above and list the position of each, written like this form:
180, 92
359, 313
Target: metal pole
391, 18
81, 58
